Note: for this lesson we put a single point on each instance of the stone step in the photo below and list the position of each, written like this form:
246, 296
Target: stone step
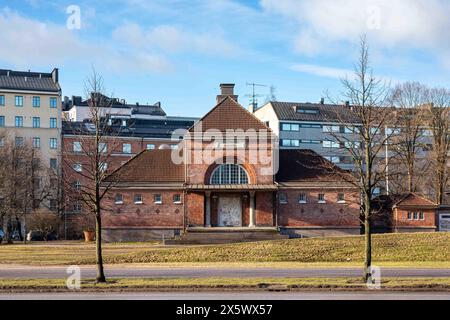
227, 235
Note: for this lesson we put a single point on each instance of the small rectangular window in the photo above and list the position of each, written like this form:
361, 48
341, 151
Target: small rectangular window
77, 146
53, 143
2, 100
53, 102
19, 121
78, 167
321, 198
103, 166
126, 148
416, 215
53, 163
118, 199
19, 101
2, 121
77, 185
53, 205
36, 122
341, 198
138, 198
150, 146
302, 198
157, 198
53, 123
19, 141
36, 102
177, 198
102, 147
283, 198
410, 216
36, 142
421, 216
77, 206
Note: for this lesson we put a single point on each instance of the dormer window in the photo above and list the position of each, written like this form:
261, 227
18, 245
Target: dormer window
306, 110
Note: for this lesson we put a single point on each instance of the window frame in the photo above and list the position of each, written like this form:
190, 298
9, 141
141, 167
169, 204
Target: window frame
302, 198
157, 196
116, 198
53, 123
36, 122
34, 100
321, 198
138, 196
53, 143
51, 102
18, 121
283, 198
123, 148
2, 100
18, 99
38, 144
2, 121
339, 198
177, 201
229, 172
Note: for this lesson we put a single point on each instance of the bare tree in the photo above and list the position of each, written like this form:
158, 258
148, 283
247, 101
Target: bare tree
438, 115
97, 141
364, 130
24, 185
410, 99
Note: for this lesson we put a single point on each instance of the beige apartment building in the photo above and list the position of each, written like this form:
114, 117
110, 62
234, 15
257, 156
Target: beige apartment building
30, 111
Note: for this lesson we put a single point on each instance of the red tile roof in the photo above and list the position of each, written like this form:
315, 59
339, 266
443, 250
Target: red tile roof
150, 166
229, 114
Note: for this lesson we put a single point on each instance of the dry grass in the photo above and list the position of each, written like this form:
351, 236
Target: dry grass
223, 284
420, 249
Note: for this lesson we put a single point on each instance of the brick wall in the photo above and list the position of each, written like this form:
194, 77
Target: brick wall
401, 219
147, 214
312, 213
195, 209
264, 209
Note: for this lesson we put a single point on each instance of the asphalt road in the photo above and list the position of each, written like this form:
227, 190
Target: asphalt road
204, 272
231, 296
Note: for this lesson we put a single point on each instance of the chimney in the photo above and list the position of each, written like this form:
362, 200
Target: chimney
226, 90
347, 103
55, 75
251, 107
322, 101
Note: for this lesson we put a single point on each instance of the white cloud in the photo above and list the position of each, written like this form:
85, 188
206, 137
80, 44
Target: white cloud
32, 43
322, 71
174, 40
399, 24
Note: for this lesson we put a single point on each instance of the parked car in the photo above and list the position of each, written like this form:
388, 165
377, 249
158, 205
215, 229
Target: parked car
37, 236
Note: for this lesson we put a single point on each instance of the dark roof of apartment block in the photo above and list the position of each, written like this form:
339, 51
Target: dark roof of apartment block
142, 128
29, 81
315, 112
152, 166
307, 166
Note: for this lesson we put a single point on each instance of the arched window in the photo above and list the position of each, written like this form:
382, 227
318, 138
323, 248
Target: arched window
229, 174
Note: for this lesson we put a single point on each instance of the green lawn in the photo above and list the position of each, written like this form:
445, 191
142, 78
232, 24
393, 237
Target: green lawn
421, 249
123, 284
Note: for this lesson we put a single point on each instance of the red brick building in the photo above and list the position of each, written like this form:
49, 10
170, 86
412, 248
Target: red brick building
405, 213
231, 185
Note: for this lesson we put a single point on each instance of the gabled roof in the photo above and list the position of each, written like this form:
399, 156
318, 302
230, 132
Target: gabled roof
152, 166
28, 81
409, 200
229, 114
307, 166
325, 112
414, 200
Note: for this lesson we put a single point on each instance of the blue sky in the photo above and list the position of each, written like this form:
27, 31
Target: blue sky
178, 52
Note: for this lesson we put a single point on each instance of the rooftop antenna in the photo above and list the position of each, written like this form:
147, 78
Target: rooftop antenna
254, 96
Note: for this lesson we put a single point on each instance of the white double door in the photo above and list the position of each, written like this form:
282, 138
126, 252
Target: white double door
230, 211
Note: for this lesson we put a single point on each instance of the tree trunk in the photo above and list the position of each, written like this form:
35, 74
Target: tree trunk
368, 248
98, 246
